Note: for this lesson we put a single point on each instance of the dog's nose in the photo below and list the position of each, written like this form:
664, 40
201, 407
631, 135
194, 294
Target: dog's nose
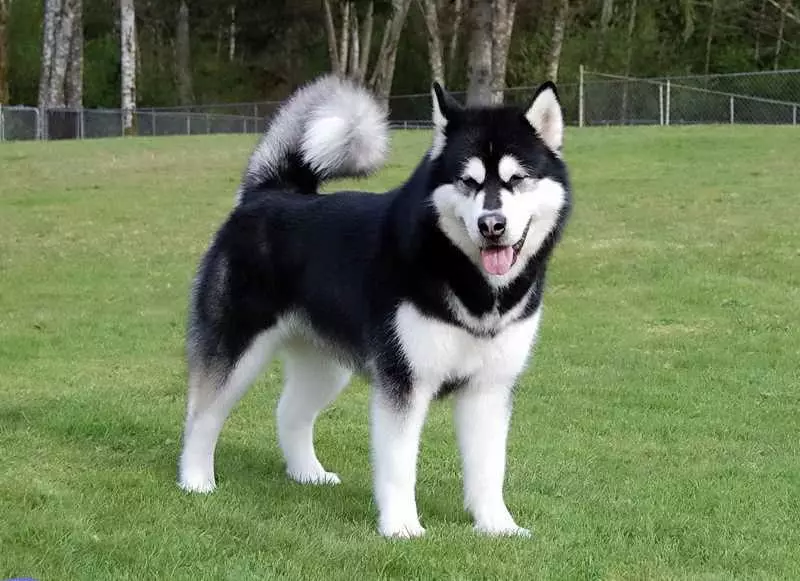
492, 225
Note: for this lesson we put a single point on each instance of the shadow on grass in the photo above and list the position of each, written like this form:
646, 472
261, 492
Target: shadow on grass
125, 452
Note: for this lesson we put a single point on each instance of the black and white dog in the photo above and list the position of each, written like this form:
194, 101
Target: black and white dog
431, 289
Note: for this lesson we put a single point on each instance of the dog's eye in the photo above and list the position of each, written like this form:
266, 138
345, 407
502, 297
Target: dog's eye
470, 183
514, 181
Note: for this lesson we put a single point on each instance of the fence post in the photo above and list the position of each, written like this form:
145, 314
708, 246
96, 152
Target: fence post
794, 114
580, 97
208, 123
2, 125
731, 110
153, 124
188, 124
660, 104
666, 111
38, 124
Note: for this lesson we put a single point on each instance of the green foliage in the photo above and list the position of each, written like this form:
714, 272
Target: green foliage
282, 43
24, 43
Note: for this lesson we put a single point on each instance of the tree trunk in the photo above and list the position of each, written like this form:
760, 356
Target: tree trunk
344, 39
4, 10
759, 26
61, 53
629, 59
383, 74
479, 89
182, 50
51, 10
710, 37
232, 34
606, 14
559, 26
502, 26
127, 21
74, 81
429, 11
781, 26
330, 29
366, 43
355, 46
452, 51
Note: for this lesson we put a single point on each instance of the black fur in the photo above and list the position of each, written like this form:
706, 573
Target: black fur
345, 261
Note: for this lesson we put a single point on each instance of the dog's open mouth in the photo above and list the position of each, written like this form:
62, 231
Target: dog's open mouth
498, 260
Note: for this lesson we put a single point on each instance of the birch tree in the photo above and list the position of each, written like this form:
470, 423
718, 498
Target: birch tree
73, 89
61, 73
127, 18
557, 41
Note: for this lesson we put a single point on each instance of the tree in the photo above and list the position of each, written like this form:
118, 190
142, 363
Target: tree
182, 50
5, 6
383, 74
61, 77
559, 26
435, 56
127, 21
491, 25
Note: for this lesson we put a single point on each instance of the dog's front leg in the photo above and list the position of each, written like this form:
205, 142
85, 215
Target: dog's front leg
396, 429
482, 417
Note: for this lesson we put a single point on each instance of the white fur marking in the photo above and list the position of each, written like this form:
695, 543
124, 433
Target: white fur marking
206, 418
436, 352
439, 126
509, 167
475, 170
395, 447
313, 380
540, 201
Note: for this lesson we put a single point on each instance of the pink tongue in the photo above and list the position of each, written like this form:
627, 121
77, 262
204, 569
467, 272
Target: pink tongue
497, 260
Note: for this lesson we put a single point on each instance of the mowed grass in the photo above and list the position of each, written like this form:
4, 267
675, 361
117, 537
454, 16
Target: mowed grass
655, 436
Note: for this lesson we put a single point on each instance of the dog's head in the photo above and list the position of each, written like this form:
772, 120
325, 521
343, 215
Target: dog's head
500, 185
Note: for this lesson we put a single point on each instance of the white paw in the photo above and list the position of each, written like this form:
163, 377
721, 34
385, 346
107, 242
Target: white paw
402, 531
197, 483
498, 522
320, 477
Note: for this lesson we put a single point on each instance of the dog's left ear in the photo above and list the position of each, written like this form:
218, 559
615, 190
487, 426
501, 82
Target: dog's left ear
445, 107
445, 110
546, 117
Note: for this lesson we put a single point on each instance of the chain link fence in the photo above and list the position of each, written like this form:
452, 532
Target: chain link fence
30, 123
769, 97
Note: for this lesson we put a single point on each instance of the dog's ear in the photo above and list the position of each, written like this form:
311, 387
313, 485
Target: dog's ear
445, 110
546, 117
445, 107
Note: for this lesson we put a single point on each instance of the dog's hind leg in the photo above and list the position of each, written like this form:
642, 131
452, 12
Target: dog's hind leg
313, 380
212, 395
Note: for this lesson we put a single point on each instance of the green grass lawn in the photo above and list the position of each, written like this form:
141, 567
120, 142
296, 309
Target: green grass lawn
656, 436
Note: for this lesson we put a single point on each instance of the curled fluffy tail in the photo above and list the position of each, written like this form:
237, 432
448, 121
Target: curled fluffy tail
328, 129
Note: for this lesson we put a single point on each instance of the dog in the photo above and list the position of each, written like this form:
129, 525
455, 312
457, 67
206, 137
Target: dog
432, 289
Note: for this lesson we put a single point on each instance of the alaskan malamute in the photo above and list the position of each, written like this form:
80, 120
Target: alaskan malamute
432, 289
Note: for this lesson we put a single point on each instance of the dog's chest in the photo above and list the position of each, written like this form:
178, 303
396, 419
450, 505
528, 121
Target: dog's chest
438, 352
